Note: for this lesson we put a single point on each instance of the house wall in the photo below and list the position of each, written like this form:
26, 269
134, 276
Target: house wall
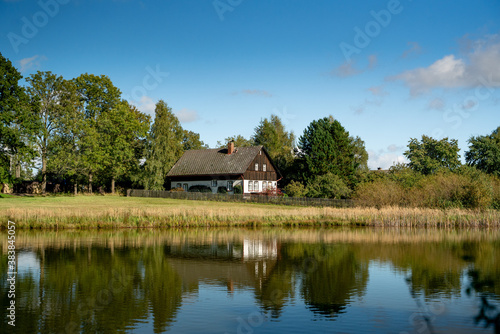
259, 174
208, 183
246, 186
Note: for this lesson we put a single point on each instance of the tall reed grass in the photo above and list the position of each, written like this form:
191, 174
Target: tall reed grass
122, 212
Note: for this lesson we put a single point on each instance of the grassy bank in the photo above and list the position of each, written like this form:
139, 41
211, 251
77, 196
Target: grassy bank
83, 212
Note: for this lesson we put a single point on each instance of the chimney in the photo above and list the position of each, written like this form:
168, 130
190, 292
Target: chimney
230, 147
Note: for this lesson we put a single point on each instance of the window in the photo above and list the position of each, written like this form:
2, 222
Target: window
264, 167
264, 185
229, 185
256, 166
178, 185
250, 186
255, 185
214, 183
185, 187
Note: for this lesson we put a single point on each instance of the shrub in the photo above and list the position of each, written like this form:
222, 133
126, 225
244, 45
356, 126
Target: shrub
177, 189
222, 190
495, 196
200, 189
238, 189
295, 189
327, 186
381, 192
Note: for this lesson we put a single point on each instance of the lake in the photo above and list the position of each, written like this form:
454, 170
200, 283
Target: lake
338, 280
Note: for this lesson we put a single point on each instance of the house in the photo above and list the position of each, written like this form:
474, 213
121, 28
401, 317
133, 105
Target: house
249, 167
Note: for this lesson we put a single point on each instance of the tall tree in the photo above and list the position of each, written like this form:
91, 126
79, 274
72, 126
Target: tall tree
360, 154
239, 141
484, 152
120, 129
325, 147
278, 142
16, 123
98, 95
66, 147
165, 146
52, 95
429, 155
191, 141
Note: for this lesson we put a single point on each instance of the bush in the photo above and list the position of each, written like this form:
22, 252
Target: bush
177, 189
200, 189
295, 189
327, 186
222, 190
380, 193
238, 189
495, 196
465, 188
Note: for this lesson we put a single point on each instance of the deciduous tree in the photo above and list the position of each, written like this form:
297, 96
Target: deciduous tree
120, 129
278, 142
429, 155
52, 96
484, 152
239, 141
16, 121
165, 146
98, 95
191, 141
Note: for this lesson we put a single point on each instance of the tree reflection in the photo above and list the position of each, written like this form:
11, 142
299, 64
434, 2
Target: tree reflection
95, 290
330, 276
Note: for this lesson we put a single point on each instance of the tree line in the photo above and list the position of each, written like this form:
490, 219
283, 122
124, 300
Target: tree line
82, 133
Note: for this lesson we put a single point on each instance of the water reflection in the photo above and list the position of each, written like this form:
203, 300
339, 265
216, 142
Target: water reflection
148, 281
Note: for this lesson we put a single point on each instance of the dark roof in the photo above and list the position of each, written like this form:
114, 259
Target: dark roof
214, 161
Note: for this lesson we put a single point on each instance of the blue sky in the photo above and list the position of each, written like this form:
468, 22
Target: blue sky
387, 70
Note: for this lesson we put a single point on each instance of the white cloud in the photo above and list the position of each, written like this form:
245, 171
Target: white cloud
187, 115
384, 159
146, 105
477, 67
394, 148
31, 63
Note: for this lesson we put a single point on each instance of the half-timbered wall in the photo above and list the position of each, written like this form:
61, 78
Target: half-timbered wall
259, 174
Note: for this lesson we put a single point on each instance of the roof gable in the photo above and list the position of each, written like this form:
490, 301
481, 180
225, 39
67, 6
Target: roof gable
214, 161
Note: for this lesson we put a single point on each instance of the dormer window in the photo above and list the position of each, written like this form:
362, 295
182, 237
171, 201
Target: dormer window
264, 167
256, 166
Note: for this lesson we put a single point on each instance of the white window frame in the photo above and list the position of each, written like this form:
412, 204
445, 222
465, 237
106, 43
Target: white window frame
214, 183
264, 186
256, 186
257, 166
230, 186
264, 167
185, 187
250, 186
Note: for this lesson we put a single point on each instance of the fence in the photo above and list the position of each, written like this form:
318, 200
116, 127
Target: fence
298, 201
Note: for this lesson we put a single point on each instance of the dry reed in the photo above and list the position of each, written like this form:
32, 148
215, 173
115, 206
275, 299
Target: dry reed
116, 212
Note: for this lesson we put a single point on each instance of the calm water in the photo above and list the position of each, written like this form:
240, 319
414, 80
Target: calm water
253, 281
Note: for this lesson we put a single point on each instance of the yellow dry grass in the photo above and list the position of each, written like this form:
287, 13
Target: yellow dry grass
114, 211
